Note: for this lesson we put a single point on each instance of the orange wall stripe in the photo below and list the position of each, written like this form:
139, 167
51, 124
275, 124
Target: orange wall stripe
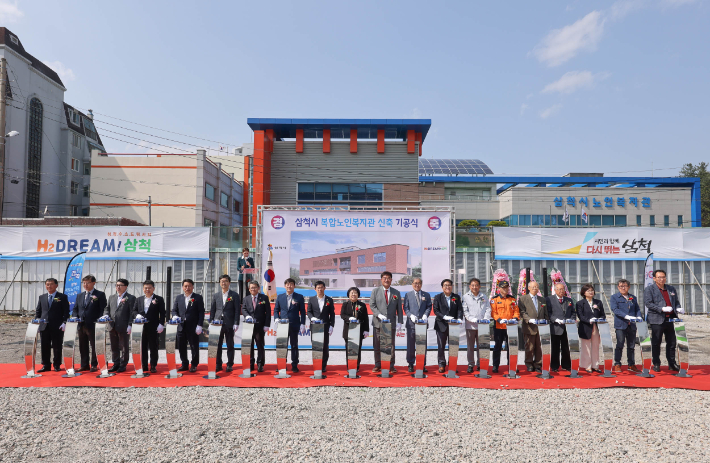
142, 204
144, 167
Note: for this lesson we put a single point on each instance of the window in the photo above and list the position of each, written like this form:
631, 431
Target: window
87, 168
356, 194
361, 259
653, 220
85, 212
34, 159
224, 200
620, 220
373, 269
680, 220
209, 192
224, 231
89, 129
74, 188
638, 220
75, 210
594, 221
14, 39
666, 220
607, 220
86, 191
75, 165
379, 257
75, 140
208, 222
323, 191
305, 192
237, 206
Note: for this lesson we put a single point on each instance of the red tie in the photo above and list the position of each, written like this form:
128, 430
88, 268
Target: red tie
561, 300
386, 298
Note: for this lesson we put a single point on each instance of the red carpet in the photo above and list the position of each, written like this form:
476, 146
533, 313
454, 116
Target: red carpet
10, 377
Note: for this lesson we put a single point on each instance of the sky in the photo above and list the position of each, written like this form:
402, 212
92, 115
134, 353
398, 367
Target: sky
535, 88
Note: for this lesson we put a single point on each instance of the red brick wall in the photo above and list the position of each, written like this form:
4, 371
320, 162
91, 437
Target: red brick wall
396, 260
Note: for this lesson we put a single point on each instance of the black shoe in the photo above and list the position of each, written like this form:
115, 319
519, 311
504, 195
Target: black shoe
153, 370
84, 369
183, 368
260, 368
114, 368
294, 369
538, 370
393, 370
495, 370
554, 370
43, 369
411, 368
57, 368
219, 368
324, 368
121, 370
531, 369
193, 369
674, 367
425, 370
656, 368
469, 369
94, 369
229, 369
478, 368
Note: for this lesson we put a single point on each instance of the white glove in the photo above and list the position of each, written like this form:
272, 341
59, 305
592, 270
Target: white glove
667, 309
365, 335
175, 317
234, 328
381, 317
504, 321
473, 320
330, 331
266, 328
139, 317
448, 317
533, 321
315, 319
276, 323
680, 310
63, 325
128, 330
249, 320
352, 320
303, 329
160, 328
398, 326
559, 322
592, 320
198, 330
628, 317
413, 318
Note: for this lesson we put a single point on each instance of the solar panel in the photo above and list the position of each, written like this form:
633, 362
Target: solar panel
453, 167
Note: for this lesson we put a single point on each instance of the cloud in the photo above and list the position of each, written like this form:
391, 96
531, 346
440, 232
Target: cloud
414, 114
64, 72
563, 44
677, 2
523, 107
9, 12
574, 80
552, 110
621, 8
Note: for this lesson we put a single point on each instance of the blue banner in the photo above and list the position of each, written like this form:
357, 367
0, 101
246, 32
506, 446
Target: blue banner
72, 279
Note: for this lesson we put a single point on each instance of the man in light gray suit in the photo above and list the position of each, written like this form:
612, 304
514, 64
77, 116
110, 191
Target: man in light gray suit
476, 306
120, 308
417, 306
386, 304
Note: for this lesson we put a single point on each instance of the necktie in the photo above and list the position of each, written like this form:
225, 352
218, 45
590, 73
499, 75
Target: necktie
86, 299
386, 297
419, 298
253, 298
49, 301
561, 300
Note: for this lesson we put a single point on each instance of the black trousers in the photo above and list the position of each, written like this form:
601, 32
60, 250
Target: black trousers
257, 339
119, 346
441, 338
499, 335
657, 333
629, 335
376, 346
560, 344
52, 340
293, 329
149, 345
326, 346
226, 334
87, 337
241, 289
188, 335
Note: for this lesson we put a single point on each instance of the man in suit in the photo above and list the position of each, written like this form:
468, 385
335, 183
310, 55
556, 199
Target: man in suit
256, 307
152, 307
559, 308
476, 306
322, 307
226, 306
190, 307
244, 262
293, 307
89, 306
417, 306
663, 304
503, 307
532, 308
52, 306
119, 309
386, 304
625, 307
447, 306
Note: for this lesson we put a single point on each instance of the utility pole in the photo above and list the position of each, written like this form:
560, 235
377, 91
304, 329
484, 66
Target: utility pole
150, 206
3, 93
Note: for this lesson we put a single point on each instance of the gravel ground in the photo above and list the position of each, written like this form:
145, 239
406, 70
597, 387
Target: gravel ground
353, 424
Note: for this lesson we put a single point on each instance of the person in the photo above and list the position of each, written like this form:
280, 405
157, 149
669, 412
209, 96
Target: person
244, 262
226, 306
476, 306
588, 311
386, 304
292, 306
447, 307
256, 308
417, 306
353, 308
663, 305
503, 307
119, 309
89, 307
533, 307
190, 308
321, 307
53, 307
152, 307
559, 308
625, 307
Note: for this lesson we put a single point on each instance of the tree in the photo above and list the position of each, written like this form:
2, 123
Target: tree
468, 223
497, 223
700, 171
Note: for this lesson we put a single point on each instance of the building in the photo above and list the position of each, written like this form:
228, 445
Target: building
46, 165
172, 190
353, 266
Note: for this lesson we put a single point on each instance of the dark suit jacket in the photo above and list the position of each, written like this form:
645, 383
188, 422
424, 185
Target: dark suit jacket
441, 309
156, 311
562, 311
653, 299
229, 312
261, 313
410, 305
584, 313
93, 310
193, 314
527, 311
296, 313
55, 314
120, 314
348, 310
620, 307
328, 312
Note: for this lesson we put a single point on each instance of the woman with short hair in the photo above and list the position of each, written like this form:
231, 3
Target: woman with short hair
353, 308
588, 311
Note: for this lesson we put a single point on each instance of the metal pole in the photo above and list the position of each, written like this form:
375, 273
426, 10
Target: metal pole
150, 215
147, 273
3, 91
545, 286
251, 195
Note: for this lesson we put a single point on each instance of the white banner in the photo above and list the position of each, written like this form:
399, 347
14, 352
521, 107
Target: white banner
617, 243
104, 243
352, 248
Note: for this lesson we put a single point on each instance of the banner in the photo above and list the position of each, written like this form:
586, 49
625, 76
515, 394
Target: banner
72, 279
648, 278
104, 243
614, 243
352, 248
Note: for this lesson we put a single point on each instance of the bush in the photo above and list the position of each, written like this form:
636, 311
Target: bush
468, 223
497, 223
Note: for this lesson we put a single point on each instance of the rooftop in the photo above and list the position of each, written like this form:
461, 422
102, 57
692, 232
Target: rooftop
340, 128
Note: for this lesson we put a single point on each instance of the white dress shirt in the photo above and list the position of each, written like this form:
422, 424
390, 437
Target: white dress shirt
146, 303
321, 303
187, 300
